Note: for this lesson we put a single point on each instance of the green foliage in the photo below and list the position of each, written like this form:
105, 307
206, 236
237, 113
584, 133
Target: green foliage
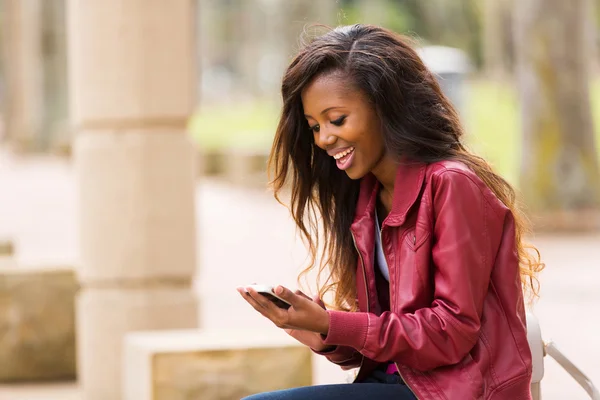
595, 104
349, 14
399, 18
492, 124
455, 23
246, 126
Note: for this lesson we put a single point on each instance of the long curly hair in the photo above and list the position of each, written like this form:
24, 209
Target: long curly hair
417, 121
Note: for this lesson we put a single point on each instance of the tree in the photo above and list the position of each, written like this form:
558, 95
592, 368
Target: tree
496, 37
560, 179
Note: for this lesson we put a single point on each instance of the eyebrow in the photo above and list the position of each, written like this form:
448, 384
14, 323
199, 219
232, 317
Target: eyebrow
325, 110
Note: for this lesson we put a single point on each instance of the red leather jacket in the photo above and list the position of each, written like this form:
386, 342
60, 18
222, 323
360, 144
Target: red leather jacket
456, 326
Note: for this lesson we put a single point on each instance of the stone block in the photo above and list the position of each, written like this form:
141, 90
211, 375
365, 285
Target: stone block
7, 248
212, 365
242, 167
246, 167
37, 324
139, 216
105, 316
133, 63
210, 163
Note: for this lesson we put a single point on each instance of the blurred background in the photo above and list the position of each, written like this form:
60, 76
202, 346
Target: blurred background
134, 136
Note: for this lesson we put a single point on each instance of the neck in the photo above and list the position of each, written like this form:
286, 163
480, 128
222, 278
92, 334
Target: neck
385, 172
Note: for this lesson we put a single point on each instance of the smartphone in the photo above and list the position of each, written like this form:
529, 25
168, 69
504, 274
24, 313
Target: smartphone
269, 293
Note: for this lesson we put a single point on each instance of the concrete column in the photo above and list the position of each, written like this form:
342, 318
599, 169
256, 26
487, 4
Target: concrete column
22, 59
132, 88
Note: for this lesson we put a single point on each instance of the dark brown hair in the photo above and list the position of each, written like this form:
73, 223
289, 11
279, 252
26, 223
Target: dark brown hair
417, 122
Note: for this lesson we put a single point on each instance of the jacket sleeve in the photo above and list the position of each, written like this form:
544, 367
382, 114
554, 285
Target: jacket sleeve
467, 233
344, 356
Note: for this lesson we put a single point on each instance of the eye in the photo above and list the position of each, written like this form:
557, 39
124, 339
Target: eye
339, 121
315, 128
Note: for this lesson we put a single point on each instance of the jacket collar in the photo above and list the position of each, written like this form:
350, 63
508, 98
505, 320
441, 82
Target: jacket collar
410, 176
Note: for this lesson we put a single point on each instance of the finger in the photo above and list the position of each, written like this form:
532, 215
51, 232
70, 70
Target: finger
252, 302
264, 302
301, 294
289, 296
277, 315
243, 291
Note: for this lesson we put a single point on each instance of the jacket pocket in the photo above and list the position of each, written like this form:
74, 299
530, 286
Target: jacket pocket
415, 239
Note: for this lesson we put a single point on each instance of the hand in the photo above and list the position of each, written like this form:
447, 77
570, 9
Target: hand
307, 338
304, 315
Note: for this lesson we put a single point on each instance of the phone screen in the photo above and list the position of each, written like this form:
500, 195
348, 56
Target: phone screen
278, 302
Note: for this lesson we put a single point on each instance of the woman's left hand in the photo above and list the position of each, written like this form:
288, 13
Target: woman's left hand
304, 314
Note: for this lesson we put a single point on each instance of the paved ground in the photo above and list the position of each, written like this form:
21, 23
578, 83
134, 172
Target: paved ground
245, 236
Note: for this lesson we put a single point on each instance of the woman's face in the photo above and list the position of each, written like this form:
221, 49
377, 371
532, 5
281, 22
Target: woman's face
344, 124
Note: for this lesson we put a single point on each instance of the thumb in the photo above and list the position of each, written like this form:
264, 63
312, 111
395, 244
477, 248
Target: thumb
288, 295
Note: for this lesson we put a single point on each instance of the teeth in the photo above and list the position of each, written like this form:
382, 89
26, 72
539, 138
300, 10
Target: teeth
344, 153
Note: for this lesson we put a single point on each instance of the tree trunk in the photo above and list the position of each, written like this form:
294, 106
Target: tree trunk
496, 37
560, 179
56, 135
22, 58
373, 12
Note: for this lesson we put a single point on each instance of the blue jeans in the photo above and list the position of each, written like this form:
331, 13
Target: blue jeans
379, 386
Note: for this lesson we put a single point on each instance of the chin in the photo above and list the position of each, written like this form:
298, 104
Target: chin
354, 173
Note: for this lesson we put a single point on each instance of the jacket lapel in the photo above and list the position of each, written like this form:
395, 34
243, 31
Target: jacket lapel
410, 176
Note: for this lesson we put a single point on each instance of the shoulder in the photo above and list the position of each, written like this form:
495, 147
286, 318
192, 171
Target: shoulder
451, 170
455, 179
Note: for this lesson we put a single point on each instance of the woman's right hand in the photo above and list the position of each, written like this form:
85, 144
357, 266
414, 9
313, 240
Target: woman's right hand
308, 338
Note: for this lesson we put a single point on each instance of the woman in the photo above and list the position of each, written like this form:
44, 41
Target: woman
422, 239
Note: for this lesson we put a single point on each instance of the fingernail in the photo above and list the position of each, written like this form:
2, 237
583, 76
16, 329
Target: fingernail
278, 290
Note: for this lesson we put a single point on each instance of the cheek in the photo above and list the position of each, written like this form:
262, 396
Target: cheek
373, 147
378, 144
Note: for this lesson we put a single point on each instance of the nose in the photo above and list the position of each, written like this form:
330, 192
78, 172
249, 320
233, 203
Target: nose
325, 138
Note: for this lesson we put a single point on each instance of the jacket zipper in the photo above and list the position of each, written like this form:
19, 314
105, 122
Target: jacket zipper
362, 262
388, 263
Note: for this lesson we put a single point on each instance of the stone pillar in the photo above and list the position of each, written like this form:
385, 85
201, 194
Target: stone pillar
22, 59
131, 89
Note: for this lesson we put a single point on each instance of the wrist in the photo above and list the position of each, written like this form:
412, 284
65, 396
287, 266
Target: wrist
321, 347
324, 325
325, 349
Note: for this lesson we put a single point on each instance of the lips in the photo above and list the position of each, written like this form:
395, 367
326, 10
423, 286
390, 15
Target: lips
341, 154
344, 158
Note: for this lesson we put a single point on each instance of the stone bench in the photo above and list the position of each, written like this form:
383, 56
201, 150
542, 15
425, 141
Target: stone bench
7, 248
242, 167
211, 365
37, 323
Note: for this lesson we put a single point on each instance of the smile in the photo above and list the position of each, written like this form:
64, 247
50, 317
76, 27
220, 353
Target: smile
344, 159
343, 154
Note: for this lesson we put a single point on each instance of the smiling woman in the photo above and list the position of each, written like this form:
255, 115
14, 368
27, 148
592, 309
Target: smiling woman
344, 124
421, 238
